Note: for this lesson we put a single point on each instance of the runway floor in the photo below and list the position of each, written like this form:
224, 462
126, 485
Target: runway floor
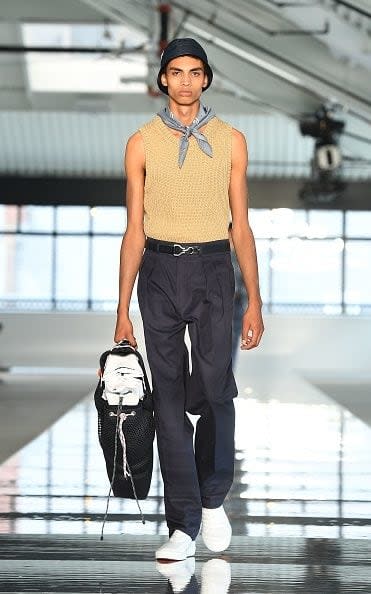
300, 506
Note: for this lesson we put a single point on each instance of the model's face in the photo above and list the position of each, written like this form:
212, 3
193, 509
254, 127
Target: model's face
185, 79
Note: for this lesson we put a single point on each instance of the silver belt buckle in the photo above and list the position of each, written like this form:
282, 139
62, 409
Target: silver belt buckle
192, 249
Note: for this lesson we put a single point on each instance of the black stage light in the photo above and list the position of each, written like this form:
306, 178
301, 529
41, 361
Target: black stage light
325, 185
321, 126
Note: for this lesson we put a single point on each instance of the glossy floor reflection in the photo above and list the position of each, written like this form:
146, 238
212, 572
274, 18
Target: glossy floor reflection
300, 506
301, 470
65, 563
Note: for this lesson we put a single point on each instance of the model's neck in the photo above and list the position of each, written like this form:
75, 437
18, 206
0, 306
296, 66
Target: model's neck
184, 113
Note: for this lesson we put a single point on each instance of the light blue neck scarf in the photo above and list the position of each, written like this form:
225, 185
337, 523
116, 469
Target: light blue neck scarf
205, 114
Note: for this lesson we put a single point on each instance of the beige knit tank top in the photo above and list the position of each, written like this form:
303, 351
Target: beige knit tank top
191, 203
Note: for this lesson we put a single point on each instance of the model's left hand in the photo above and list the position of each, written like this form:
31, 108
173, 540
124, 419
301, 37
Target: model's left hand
252, 327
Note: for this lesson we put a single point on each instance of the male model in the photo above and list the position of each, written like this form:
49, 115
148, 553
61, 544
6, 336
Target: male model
186, 179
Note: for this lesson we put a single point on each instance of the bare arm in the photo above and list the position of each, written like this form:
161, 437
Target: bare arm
133, 241
244, 243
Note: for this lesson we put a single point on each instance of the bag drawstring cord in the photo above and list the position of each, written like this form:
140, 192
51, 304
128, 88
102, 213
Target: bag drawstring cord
120, 418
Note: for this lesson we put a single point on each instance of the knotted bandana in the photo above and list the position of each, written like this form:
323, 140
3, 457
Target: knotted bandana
205, 114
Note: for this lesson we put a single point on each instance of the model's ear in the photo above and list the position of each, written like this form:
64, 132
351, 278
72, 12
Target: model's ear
206, 80
163, 79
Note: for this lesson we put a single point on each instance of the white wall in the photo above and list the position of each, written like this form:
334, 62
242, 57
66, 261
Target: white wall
55, 339
329, 346
301, 359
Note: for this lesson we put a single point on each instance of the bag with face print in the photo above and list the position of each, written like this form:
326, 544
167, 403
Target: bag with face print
126, 429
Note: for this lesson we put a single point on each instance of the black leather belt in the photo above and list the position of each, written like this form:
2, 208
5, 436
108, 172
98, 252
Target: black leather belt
190, 249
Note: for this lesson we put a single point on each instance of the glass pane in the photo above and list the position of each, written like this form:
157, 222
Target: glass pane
25, 267
105, 273
8, 217
72, 268
287, 222
278, 222
80, 73
262, 249
37, 218
358, 272
73, 218
260, 222
7, 264
325, 223
306, 271
358, 224
108, 219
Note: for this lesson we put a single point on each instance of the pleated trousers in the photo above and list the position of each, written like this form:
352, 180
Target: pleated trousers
173, 293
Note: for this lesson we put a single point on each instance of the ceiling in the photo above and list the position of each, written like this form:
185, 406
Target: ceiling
272, 60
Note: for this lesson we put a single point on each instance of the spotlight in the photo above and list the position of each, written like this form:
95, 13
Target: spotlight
327, 157
322, 126
325, 184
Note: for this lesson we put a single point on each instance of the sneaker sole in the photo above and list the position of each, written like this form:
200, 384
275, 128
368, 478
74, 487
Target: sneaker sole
190, 553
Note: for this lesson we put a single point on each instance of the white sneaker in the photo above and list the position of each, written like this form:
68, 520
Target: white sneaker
216, 529
215, 577
178, 573
178, 547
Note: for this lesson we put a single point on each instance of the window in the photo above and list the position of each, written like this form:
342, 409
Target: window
306, 271
105, 271
263, 254
93, 73
108, 219
8, 218
72, 266
358, 272
37, 218
67, 257
72, 219
325, 223
25, 267
358, 224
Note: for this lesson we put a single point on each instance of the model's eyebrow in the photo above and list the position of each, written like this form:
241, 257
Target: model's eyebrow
191, 70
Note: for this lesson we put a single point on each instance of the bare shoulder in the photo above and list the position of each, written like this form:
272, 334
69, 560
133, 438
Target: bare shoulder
239, 138
135, 142
134, 154
239, 149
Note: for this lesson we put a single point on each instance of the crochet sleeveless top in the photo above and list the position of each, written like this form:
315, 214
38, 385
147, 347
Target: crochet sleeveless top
191, 203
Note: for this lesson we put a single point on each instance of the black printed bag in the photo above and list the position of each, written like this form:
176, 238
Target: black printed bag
126, 429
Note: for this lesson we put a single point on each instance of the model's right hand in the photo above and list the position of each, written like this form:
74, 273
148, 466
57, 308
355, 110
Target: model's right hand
124, 330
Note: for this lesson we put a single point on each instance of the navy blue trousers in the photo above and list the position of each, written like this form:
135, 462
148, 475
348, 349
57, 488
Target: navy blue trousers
173, 293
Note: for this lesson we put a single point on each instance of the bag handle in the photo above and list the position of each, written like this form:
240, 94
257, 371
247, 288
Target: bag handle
125, 343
